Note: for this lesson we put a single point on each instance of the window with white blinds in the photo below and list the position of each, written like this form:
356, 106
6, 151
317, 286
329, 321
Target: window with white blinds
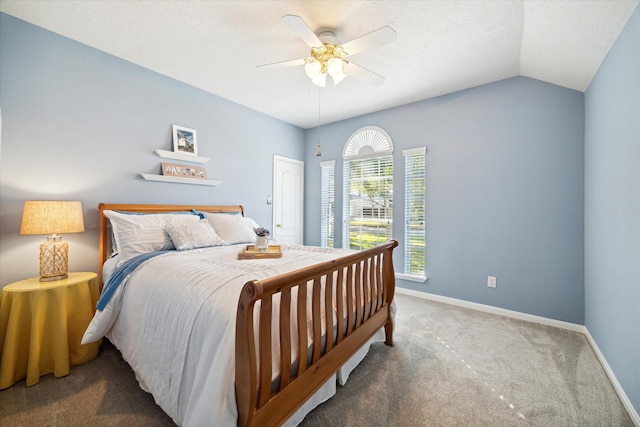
327, 204
414, 212
368, 202
367, 194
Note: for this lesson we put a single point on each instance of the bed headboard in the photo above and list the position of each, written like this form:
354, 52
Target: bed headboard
105, 229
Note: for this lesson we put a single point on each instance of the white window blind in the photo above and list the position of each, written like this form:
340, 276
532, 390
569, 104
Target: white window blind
414, 211
368, 202
327, 204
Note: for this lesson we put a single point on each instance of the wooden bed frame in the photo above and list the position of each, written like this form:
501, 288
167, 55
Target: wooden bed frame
360, 286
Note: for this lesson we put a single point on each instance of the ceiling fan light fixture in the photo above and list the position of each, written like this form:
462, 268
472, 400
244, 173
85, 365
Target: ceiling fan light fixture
335, 66
337, 78
320, 80
326, 59
313, 69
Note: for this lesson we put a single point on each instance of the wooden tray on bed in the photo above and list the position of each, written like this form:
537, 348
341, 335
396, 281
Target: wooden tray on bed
250, 252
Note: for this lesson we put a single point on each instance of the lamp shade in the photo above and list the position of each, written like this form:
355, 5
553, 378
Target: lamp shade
313, 69
51, 217
335, 66
337, 78
320, 80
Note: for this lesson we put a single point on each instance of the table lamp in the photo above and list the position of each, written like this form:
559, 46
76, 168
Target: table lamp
52, 217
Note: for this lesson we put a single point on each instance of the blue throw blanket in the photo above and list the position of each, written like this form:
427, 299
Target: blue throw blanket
120, 273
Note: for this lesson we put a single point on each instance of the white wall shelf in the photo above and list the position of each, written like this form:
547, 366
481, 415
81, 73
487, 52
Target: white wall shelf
182, 156
179, 180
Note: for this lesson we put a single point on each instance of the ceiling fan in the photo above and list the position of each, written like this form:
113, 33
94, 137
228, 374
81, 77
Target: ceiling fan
328, 54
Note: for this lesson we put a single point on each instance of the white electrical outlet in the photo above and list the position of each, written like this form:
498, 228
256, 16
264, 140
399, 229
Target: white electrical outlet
491, 281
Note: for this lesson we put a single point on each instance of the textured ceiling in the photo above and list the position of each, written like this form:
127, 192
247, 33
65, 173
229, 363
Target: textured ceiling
441, 46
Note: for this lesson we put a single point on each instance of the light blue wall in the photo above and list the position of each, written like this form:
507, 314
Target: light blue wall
612, 209
80, 124
505, 185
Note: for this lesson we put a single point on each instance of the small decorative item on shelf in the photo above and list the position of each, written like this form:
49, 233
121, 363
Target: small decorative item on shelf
262, 239
184, 171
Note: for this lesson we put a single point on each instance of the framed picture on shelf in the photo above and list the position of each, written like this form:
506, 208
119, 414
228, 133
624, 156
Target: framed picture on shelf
184, 140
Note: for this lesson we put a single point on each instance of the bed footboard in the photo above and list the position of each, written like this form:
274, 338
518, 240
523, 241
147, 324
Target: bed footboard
350, 300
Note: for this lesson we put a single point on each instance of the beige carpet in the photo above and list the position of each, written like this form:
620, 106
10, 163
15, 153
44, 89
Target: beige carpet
458, 367
450, 367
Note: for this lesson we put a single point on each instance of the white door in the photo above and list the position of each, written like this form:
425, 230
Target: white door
288, 183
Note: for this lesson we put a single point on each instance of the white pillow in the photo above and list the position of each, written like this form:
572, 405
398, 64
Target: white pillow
137, 234
191, 236
233, 228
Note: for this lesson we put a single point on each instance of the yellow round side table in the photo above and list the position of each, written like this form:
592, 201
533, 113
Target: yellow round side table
42, 324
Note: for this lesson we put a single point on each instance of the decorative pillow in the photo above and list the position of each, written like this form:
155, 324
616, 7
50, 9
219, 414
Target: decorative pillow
139, 234
233, 228
191, 236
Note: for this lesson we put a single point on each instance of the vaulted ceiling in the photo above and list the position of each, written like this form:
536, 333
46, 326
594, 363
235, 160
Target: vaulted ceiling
441, 46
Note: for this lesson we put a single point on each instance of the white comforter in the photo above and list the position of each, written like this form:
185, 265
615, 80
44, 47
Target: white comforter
173, 320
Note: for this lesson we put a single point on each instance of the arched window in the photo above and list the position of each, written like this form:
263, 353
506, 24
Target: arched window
367, 141
368, 189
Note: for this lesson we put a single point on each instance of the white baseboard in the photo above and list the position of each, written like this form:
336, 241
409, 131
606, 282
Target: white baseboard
493, 310
541, 320
614, 381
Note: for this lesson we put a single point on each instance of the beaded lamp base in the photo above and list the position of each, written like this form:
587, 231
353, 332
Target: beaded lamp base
54, 259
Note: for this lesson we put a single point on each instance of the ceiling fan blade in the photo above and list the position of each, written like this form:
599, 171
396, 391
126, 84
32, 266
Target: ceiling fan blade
298, 25
363, 74
283, 64
375, 38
